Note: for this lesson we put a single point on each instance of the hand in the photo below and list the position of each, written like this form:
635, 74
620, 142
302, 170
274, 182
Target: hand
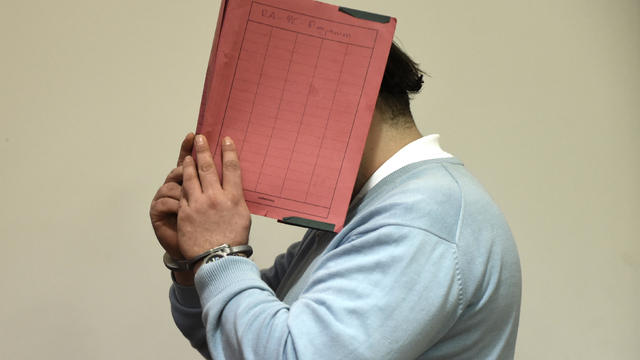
211, 213
165, 204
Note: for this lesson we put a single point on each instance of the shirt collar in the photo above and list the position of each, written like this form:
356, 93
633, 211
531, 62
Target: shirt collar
425, 148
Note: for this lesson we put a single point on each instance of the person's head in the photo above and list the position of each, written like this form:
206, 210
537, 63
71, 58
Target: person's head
402, 79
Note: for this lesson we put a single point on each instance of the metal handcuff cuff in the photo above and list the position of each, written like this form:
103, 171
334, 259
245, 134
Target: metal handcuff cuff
210, 255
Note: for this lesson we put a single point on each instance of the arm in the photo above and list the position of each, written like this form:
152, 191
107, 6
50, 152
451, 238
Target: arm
185, 303
274, 274
187, 314
390, 293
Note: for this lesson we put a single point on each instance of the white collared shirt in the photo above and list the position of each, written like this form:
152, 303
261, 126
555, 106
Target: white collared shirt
425, 148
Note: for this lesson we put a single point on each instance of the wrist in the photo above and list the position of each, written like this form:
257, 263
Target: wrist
192, 265
244, 251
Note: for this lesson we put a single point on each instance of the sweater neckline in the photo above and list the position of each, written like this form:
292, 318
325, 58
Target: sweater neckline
390, 179
424, 148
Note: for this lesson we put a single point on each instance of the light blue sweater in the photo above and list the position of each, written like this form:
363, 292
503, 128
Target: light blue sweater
426, 268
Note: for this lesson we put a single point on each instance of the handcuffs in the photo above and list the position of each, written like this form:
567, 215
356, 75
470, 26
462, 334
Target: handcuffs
210, 255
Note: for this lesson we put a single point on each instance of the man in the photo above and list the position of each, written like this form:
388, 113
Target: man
425, 267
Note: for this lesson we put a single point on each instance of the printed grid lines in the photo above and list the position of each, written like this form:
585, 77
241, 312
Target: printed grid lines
315, 67
256, 124
254, 94
315, 163
279, 108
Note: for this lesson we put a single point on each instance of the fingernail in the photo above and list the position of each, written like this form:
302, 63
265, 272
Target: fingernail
199, 139
227, 140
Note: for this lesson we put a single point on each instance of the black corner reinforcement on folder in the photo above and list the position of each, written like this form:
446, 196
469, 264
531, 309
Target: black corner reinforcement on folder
365, 15
298, 221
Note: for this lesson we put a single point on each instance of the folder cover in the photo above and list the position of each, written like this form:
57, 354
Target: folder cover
294, 84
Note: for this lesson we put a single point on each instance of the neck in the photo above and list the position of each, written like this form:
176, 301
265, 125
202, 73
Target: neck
383, 141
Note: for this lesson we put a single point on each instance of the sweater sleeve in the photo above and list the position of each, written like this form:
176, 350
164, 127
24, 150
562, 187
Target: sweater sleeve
187, 314
273, 275
185, 302
389, 293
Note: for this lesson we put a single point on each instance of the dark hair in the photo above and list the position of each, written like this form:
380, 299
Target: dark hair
402, 78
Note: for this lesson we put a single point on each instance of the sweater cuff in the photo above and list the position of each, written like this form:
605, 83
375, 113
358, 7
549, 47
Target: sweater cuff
221, 275
186, 296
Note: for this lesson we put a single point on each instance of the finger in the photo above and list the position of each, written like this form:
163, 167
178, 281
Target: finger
190, 181
169, 190
166, 206
175, 176
183, 197
206, 168
231, 174
185, 148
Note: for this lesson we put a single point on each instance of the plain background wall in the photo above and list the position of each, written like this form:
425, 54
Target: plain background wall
539, 98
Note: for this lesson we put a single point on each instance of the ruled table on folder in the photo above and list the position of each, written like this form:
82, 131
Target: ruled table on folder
295, 92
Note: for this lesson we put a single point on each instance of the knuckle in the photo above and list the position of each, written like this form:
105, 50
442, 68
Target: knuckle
161, 204
188, 173
170, 190
212, 206
175, 176
231, 165
168, 187
234, 199
160, 193
206, 166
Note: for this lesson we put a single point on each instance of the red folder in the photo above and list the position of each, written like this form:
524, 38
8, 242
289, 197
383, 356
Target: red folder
294, 84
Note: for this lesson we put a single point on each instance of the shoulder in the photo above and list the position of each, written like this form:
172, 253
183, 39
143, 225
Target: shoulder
440, 201
435, 205
425, 196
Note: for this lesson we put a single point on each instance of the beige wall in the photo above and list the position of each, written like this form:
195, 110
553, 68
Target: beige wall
539, 98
